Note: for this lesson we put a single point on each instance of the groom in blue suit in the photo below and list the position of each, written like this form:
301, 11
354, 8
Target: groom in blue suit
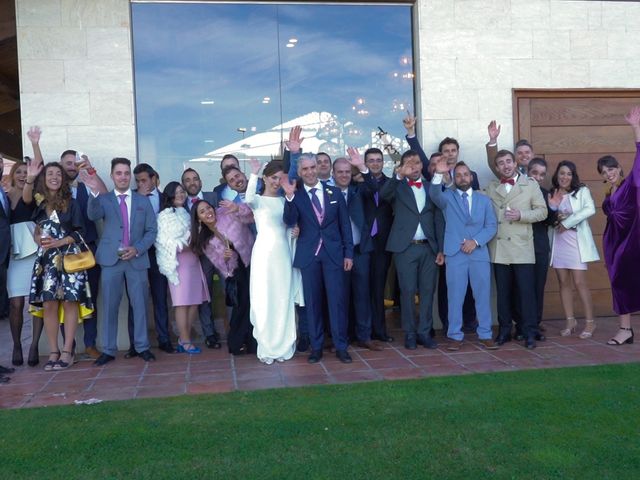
324, 252
470, 223
129, 231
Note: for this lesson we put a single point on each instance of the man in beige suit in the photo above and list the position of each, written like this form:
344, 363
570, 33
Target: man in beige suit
518, 203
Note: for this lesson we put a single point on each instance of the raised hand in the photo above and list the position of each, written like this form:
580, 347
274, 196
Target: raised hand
229, 205
409, 123
89, 180
404, 170
633, 117
494, 131
295, 140
34, 167
555, 199
441, 165
288, 186
355, 159
256, 165
34, 134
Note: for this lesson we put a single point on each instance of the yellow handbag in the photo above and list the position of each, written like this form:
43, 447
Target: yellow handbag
77, 262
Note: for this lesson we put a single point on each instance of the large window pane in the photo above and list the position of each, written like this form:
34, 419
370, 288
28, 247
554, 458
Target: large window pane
233, 78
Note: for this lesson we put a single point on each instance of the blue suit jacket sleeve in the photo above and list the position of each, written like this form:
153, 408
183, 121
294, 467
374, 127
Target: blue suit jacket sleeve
95, 210
293, 165
414, 144
490, 225
438, 196
290, 214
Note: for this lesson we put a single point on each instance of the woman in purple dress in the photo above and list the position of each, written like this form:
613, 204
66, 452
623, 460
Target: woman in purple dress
621, 240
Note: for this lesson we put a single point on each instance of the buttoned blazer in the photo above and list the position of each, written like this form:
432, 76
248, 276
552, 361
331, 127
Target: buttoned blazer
407, 217
583, 207
480, 224
382, 213
513, 243
355, 207
335, 229
142, 228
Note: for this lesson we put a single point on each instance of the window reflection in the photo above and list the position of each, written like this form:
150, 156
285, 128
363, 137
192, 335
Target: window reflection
215, 78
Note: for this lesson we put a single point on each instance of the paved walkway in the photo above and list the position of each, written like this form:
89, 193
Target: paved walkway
217, 371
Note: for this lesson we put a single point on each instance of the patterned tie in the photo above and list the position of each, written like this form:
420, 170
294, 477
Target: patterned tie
125, 220
374, 227
465, 202
315, 200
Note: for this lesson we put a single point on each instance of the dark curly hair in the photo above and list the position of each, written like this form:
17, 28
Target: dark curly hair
59, 200
575, 179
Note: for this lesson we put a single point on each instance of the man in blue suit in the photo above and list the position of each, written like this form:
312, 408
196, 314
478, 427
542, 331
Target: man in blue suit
324, 252
129, 231
470, 223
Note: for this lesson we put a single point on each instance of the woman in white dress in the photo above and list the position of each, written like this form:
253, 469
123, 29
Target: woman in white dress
273, 289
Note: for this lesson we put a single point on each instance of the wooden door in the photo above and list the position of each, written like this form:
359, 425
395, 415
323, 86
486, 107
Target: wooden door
581, 126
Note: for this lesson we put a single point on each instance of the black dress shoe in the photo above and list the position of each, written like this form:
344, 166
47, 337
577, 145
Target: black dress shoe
410, 341
103, 359
4, 379
503, 338
6, 370
540, 337
530, 343
519, 336
343, 356
147, 356
212, 342
166, 347
131, 353
303, 343
315, 357
426, 341
382, 338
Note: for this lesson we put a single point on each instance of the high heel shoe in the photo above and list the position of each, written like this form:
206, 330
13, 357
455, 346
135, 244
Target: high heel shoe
187, 347
16, 359
61, 364
615, 341
48, 367
569, 328
589, 328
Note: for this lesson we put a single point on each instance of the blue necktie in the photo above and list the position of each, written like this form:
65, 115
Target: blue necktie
315, 200
465, 202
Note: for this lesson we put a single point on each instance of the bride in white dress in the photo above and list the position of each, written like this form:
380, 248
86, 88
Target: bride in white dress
274, 285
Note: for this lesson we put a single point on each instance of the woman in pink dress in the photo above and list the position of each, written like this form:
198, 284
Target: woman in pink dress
573, 246
621, 239
179, 264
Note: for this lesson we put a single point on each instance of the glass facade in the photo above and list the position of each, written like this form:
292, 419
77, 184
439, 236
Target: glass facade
216, 78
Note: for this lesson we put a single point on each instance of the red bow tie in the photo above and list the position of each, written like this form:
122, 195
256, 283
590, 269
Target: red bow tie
194, 200
415, 183
510, 181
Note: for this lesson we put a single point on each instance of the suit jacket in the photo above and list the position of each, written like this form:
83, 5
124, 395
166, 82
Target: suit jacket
82, 198
480, 224
382, 212
355, 207
211, 197
541, 229
583, 207
142, 228
5, 229
514, 241
406, 217
334, 231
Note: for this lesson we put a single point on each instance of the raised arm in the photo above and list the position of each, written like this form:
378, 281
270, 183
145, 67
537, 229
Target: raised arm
633, 119
492, 146
435, 189
409, 123
90, 177
251, 198
294, 146
95, 211
34, 167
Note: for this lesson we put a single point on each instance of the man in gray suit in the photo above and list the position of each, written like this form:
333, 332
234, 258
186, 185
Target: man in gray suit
129, 231
416, 238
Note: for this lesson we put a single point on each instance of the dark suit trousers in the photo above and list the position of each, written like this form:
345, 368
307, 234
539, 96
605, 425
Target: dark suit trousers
240, 328
417, 272
357, 294
468, 307
90, 325
516, 280
4, 295
321, 271
541, 269
379, 267
159, 293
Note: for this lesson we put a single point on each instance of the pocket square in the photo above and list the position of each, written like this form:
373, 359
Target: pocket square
335, 201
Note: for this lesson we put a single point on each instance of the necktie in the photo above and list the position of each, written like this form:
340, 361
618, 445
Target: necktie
510, 181
315, 200
345, 196
374, 227
125, 220
465, 201
194, 200
416, 183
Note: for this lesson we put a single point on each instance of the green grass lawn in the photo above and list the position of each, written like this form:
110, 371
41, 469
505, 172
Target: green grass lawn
572, 423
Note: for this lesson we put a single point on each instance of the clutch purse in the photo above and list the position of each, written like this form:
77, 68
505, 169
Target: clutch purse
77, 262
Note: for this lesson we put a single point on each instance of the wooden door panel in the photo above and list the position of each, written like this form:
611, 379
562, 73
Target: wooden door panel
579, 111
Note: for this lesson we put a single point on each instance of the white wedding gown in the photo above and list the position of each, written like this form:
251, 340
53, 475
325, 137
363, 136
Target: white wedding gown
273, 285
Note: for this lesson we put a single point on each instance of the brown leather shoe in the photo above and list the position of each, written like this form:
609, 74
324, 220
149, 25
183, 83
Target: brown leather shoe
489, 344
372, 345
454, 345
92, 352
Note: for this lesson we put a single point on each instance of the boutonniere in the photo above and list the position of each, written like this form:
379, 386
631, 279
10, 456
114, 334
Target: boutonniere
329, 192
